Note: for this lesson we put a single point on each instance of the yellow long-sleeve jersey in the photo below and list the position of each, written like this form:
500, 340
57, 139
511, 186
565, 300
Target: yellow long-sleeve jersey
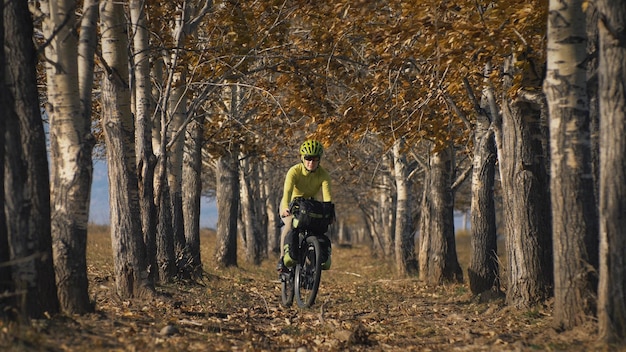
300, 182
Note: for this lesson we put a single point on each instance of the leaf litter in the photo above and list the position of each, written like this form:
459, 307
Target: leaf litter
360, 307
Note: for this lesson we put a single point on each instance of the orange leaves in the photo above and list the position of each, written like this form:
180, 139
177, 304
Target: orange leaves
342, 68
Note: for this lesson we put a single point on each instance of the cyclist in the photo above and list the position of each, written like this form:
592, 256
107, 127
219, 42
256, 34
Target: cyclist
304, 179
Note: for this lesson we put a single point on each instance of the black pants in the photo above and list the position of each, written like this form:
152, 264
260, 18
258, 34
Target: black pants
292, 239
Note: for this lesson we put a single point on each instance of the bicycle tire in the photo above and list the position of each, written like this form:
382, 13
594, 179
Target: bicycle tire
308, 273
287, 287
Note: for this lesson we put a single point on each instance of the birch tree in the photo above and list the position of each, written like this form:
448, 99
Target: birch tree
143, 110
177, 107
406, 263
175, 114
386, 216
128, 247
69, 83
574, 217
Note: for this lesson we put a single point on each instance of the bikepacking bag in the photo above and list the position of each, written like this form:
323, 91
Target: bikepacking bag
313, 215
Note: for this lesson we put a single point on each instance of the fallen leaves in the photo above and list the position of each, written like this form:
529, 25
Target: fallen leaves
360, 307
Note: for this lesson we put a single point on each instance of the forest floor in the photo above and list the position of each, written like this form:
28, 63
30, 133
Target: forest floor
361, 306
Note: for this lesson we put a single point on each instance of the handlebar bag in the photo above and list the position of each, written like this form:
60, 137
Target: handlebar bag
313, 215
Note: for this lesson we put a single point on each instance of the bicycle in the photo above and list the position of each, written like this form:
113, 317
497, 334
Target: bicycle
311, 220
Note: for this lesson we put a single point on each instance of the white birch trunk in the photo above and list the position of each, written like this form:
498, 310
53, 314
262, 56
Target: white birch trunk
71, 145
574, 217
387, 213
127, 240
143, 110
177, 107
404, 244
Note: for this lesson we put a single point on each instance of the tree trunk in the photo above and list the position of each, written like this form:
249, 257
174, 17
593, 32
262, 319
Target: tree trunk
612, 95
227, 192
437, 257
127, 240
574, 218
406, 262
166, 254
271, 202
6, 284
144, 108
592, 92
526, 201
174, 112
26, 170
483, 272
260, 210
371, 215
344, 235
192, 189
87, 44
71, 145
386, 213
177, 108
255, 242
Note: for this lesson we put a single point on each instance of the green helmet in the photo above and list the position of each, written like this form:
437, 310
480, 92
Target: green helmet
311, 148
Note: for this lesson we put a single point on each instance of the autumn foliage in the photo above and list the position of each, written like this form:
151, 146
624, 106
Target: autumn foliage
342, 69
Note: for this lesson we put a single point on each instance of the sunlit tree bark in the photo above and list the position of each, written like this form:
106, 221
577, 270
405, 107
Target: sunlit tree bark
574, 217
69, 83
128, 247
174, 171
143, 109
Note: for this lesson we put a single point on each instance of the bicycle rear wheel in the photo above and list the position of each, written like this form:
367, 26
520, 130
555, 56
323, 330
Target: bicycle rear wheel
308, 273
287, 287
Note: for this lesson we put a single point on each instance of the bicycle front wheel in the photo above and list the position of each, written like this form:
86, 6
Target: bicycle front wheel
308, 273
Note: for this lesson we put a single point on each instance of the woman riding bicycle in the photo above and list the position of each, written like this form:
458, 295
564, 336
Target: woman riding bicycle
305, 180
